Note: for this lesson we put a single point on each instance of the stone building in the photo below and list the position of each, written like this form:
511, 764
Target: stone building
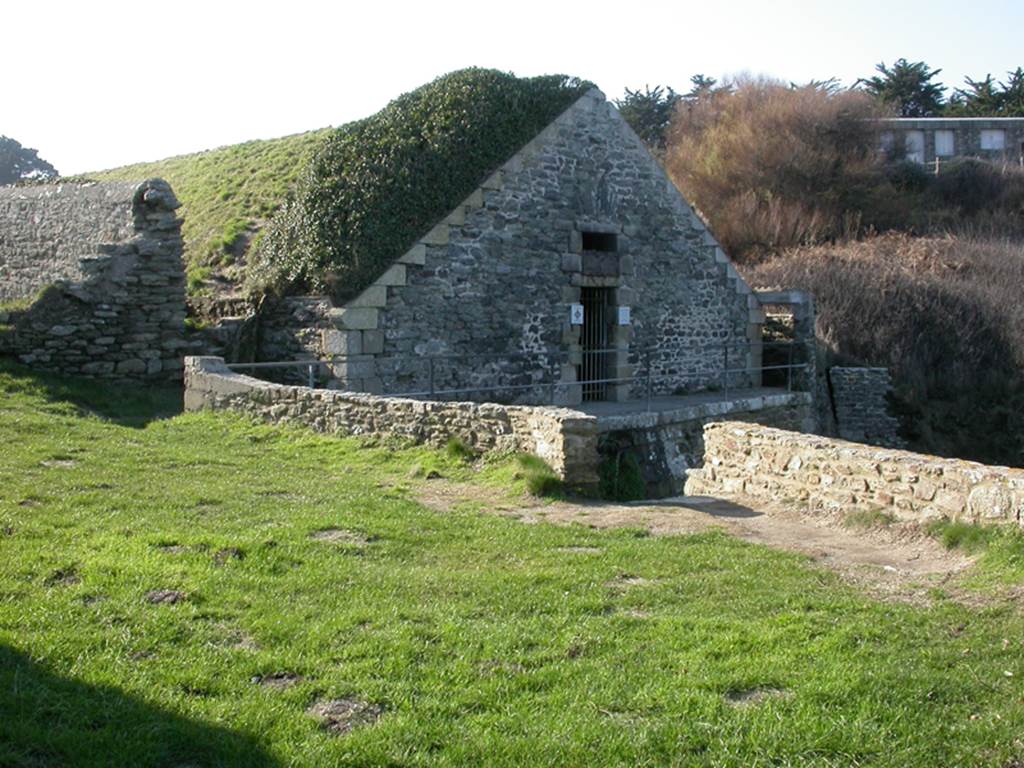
927, 139
575, 272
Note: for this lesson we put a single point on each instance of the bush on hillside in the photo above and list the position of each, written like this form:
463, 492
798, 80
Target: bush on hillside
942, 313
973, 186
773, 166
378, 184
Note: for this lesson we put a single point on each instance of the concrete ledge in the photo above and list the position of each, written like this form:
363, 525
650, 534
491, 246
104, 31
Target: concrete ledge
663, 416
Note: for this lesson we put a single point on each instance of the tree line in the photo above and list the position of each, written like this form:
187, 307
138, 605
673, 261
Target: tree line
908, 88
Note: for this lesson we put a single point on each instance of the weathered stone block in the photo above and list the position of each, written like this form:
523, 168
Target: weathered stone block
374, 296
991, 501
342, 343
416, 255
437, 236
373, 342
572, 262
358, 318
132, 366
395, 275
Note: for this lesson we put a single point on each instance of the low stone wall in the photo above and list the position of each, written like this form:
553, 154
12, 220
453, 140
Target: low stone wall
834, 475
860, 397
565, 439
669, 443
111, 256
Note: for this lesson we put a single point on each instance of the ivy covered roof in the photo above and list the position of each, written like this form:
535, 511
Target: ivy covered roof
373, 187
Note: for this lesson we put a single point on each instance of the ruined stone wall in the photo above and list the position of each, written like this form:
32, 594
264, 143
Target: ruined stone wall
860, 398
566, 439
837, 476
493, 282
46, 230
108, 257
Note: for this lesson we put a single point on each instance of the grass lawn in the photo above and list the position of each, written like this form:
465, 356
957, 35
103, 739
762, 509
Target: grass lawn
478, 640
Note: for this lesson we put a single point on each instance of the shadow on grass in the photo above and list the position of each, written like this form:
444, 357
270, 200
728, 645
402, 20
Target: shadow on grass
48, 720
129, 404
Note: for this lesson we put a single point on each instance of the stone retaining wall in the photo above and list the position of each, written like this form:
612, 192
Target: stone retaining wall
669, 443
108, 258
860, 397
565, 439
838, 476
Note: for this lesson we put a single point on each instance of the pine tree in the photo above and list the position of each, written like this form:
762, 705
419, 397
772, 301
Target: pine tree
907, 86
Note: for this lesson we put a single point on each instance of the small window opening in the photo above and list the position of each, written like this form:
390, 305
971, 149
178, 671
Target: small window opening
600, 241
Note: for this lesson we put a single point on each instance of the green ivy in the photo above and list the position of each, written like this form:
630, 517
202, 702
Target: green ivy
377, 185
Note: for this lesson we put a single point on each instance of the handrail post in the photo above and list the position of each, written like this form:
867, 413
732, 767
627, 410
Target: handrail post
312, 381
430, 360
725, 371
649, 379
789, 368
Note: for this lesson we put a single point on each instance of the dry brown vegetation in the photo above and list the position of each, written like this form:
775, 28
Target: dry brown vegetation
943, 313
792, 184
773, 166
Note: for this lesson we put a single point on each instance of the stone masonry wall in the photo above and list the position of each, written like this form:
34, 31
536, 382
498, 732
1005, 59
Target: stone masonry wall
669, 444
860, 398
838, 476
109, 260
566, 439
495, 279
46, 229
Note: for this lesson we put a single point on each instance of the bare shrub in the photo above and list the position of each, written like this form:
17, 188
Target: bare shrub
773, 166
942, 312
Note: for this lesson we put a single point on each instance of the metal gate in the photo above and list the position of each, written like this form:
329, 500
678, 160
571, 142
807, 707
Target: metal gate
593, 373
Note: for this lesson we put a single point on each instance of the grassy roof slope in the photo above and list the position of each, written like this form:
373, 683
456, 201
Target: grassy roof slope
376, 185
227, 194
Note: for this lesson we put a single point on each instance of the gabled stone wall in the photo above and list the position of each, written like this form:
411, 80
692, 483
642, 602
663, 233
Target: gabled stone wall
488, 290
104, 265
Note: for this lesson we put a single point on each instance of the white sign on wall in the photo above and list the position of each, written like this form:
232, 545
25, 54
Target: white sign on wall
623, 315
576, 314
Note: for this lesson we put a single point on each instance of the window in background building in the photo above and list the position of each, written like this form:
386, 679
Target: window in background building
993, 139
914, 142
945, 144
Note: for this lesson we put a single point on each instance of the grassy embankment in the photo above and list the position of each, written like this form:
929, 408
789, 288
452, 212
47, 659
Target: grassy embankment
227, 194
482, 640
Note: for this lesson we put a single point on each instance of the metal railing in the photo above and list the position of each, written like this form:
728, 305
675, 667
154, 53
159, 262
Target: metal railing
434, 370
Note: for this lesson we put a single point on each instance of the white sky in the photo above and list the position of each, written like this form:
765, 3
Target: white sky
97, 84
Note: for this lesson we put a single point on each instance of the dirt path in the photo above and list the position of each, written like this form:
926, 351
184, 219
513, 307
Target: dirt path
896, 562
